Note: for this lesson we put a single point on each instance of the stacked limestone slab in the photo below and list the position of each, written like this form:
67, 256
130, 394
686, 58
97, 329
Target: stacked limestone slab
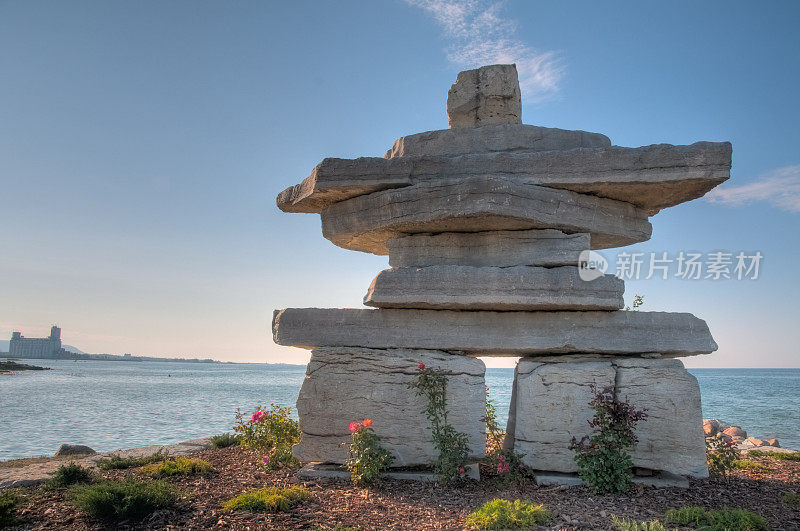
483, 224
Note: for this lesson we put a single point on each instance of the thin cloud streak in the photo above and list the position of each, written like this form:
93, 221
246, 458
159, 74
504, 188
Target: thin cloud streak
480, 36
780, 187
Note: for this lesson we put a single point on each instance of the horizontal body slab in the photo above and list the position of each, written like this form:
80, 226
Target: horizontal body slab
480, 204
550, 406
483, 333
343, 385
650, 177
486, 139
547, 248
493, 288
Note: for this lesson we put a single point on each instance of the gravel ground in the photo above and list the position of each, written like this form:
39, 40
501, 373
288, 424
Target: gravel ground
409, 505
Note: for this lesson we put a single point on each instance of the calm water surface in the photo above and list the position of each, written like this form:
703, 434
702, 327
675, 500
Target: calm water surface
113, 405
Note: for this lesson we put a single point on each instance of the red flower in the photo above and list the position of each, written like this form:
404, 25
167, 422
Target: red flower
367, 422
257, 416
421, 366
461, 470
355, 426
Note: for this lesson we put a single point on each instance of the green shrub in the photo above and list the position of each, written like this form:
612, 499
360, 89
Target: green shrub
270, 432
451, 444
746, 464
626, 524
68, 475
367, 457
494, 433
8, 508
603, 458
504, 514
721, 456
115, 462
791, 498
793, 456
223, 440
725, 519
506, 465
123, 500
270, 499
181, 466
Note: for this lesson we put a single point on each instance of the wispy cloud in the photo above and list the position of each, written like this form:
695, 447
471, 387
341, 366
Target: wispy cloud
780, 187
479, 35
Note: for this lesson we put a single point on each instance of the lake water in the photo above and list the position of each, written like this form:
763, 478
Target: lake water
112, 405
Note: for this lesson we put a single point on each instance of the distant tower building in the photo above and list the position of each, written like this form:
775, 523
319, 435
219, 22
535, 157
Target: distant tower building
36, 348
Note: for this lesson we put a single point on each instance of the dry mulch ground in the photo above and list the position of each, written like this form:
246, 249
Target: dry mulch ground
410, 505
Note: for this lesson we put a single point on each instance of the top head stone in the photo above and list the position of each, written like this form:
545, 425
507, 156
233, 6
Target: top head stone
488, 95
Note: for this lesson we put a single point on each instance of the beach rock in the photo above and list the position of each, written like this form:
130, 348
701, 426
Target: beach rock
548, 248
735, 431
710, 429
490, 138
479, 204
550, 407
349, 384
483, 333
73, 449
493, 288
773, 442
756, 441
485, 96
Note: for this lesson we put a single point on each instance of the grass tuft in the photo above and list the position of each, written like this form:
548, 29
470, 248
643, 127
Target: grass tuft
270, 500
725, 519
123, 500
746, 464
791, 498
8, 508
793, 456
224, 440
115, 462
626, 524
181, 466
68, 475
504, 514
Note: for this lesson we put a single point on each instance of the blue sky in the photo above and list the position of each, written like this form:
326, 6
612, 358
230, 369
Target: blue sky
143, 145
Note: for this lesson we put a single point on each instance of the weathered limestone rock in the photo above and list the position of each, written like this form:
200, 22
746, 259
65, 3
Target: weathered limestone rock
479, 204
502, 137
650, 177
551, 407
347, 384
485, 96
493, 288
547, 248
484, 333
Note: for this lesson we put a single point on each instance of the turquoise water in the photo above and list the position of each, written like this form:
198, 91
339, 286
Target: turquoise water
112, 405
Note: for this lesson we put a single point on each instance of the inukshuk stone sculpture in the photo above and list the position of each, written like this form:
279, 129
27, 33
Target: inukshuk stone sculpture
483, 224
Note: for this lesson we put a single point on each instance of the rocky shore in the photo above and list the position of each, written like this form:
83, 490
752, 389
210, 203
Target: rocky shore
731, 433
6, 367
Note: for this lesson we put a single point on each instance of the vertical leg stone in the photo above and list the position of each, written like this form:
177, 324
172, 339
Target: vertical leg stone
344, 384
550, 407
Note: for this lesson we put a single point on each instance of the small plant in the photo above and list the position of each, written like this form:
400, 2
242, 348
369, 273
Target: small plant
791, 498
123, 500
452, 445
603, 459
367, 457
224, 440
271, 433
181, 466
638, 302
115, 462
494, 434
68, 475
504, 514
786, 456
506, 465
626, 524
721, 456
725, 519
270, 499
8, 509
746, 464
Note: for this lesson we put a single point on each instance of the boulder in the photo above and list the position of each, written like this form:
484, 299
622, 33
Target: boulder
735, 431
483, 333
710, 429
493, 288
486, 139
548, 248
349, 384
649, 177
485, 96
773, 442
550, 407
479, 204
756, 441
73, 449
